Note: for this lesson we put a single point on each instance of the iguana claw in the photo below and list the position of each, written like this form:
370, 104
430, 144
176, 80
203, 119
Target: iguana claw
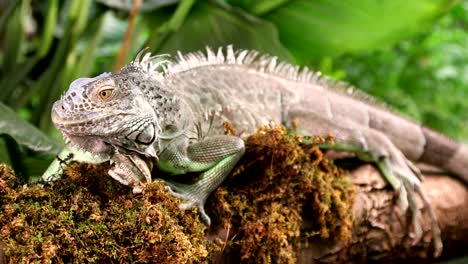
191, 197
405, 178
402, 179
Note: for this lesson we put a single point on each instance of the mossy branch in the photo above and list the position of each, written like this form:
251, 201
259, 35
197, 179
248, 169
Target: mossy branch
285, 202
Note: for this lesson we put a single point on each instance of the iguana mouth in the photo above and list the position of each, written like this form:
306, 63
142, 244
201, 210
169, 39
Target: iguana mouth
63, 122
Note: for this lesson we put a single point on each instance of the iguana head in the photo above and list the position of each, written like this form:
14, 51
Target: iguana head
106, 113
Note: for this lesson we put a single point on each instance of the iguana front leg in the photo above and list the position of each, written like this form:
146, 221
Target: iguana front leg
131, 170
215, 156
68, 155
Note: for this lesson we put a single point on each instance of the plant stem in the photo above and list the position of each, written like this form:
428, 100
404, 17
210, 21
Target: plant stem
128, 35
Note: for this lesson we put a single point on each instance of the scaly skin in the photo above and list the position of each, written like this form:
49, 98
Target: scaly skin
141, 118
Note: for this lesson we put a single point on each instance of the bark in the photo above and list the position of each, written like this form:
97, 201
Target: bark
383, 233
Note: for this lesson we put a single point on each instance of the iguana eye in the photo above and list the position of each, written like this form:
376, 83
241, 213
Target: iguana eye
105, 93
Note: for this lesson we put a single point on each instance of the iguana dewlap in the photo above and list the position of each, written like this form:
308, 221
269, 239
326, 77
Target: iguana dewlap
173, 119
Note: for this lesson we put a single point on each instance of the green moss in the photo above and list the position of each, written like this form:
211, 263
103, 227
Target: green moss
86, 215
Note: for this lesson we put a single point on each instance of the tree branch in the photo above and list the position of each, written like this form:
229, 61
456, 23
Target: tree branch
381, 228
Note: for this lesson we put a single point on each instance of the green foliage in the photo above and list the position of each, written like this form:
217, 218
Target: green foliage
25, 80
215, 26
313, 29
425, 77
12, 130
25, 133
47, 44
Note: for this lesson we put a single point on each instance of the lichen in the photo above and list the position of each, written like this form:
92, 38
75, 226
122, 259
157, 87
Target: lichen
86, 216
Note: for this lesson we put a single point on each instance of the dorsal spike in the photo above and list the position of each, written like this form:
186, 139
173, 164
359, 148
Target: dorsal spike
155, 57
210, 54
241, 56
272, 64
144, 62
164, 68
250, 57
266, 64
181, 58
230, 56
138, 56
220, 55
158, 64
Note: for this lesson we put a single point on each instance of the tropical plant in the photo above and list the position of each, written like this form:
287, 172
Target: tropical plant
47, 44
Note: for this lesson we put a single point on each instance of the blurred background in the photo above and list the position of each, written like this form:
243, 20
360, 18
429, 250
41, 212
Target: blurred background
412, 55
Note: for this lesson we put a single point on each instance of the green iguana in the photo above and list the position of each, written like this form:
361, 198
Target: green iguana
139, 118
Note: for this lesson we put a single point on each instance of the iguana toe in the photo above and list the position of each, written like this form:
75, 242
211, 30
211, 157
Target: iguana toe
191, 198
404, 178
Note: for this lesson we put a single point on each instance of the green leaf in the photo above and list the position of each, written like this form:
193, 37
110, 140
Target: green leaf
49, 27
425, 77
213, 25
14, 37
313, 29
5, 156
6, 13
24, 133
13, 79
259, 7
49, 85
85, 64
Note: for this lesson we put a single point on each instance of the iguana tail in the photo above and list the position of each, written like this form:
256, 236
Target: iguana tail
445, 153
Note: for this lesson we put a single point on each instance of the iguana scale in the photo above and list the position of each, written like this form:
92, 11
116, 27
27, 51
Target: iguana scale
140, 118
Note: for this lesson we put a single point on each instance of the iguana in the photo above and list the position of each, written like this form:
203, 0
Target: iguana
140, 117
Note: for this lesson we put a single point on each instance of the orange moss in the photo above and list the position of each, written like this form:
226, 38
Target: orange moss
87, 216
279, 181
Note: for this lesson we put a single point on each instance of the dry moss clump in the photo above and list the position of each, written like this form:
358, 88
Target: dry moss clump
281, 182
88, 217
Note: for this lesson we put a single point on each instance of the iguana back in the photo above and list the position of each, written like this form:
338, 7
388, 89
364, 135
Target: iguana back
248, 90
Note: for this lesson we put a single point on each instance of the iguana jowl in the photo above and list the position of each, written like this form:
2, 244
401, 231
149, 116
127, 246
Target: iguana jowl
173, 119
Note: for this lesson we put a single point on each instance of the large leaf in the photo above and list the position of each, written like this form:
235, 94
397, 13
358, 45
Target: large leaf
313, 29
213, 25
24, 133
425, 77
